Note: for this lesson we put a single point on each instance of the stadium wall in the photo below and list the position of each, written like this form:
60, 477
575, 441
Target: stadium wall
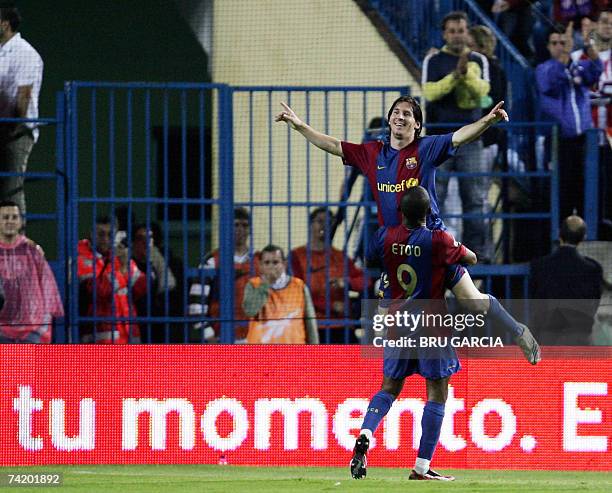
315, 43
295, 405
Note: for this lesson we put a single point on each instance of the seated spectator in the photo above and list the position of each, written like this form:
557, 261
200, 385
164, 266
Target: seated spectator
163, 298
563, 87
572, 286
106, 277
279, 305
204, 296
31, 297
324, 269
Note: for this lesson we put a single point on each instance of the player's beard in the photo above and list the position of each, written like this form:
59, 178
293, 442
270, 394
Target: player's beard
404, 136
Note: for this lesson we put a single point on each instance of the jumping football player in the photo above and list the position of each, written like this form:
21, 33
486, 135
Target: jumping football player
417, 259
406, 160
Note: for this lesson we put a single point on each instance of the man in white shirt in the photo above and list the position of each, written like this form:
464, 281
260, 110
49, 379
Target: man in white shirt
21, 69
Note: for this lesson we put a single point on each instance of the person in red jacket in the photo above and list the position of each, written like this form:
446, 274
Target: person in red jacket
329, 274
106, 277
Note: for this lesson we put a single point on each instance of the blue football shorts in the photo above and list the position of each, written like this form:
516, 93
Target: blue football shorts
430, 363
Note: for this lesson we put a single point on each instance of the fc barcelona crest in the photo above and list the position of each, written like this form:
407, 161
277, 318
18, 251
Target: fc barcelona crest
411, 162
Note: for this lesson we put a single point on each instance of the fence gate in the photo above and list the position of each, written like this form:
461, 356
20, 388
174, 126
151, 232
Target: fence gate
149, 153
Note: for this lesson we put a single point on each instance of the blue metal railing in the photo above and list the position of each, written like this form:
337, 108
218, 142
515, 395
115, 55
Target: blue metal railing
108, 110
260, 165
591, 183
288, 179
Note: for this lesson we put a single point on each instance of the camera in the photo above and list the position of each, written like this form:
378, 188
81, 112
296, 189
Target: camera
121, 239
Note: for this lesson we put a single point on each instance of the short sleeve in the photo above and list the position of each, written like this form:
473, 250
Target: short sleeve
449, 250
28, 69
376, 246
435, 149
359, 155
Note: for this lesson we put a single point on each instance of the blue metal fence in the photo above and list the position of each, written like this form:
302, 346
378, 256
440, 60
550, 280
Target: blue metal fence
120, 153
111, 163
288, 180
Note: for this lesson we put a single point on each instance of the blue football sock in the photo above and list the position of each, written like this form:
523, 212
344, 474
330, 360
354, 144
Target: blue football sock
499, 314
431, 424
377, 409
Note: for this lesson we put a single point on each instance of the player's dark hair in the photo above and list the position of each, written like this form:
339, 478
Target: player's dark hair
456, 15
320, 210
415, 205
271, 249
242, 213
573, 230
10, 14
416, 111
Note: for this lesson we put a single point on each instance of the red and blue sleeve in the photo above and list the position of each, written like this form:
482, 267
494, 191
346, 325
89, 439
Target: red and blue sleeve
449, 250
361, 156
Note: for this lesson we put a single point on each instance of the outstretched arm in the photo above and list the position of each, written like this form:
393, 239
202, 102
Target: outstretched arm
322, 141
471, 132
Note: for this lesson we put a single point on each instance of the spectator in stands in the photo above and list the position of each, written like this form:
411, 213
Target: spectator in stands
601, 92
163, 298
566, 11
572, 286
21, 71
563, 87
279, 305
583, 36
455, 81
483, 41
601, 105
32, 298
109, 284
515, 19
204, 296
324, 269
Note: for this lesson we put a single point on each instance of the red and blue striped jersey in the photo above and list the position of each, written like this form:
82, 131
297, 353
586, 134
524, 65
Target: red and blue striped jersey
390, 172
415, 260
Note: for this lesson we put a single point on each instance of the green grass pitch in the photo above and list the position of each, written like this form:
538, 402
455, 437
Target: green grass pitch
235, 479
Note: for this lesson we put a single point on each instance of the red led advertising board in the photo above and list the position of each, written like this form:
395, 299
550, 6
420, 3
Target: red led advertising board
293, 405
